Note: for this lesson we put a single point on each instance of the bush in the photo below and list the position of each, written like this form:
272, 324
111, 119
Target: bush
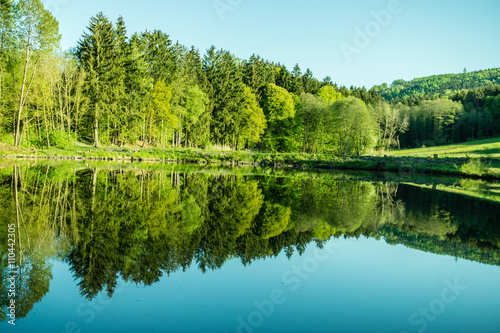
474, 167
7, 139
59, 139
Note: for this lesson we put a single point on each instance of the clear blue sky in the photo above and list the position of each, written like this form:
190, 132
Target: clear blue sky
421, 38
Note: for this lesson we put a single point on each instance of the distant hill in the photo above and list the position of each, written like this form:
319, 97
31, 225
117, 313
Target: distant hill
438, 85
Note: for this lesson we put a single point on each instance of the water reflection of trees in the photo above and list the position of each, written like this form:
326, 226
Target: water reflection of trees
140, 225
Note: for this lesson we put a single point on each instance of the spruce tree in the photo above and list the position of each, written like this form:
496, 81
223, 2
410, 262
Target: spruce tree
225, 91
96, 53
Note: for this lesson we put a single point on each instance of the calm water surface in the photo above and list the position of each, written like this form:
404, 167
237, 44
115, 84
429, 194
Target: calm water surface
163, 248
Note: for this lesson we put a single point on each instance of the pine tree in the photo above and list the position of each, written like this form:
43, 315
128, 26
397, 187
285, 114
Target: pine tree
118, 116
138, 84
225, 91
96, 53
297, 84
160, 54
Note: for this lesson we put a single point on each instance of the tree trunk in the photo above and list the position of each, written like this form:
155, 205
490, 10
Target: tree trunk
46, 123
21, 99
96, 127
18, 213
77, 101
1, 79
94, 188
143, 131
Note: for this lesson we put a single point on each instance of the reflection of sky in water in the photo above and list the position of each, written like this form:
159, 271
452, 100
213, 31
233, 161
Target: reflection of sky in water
365, 285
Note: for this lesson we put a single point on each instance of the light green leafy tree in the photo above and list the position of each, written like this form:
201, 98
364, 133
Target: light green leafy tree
279, 107
353, 126
392, 121
37, 33
7, 36
251, 120
313, 114
196, 106
160, 115
329, 95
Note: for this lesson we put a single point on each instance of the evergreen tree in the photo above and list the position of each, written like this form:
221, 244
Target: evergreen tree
297, 83
138, 84
225, 92
161, 56
311, 85
96, 53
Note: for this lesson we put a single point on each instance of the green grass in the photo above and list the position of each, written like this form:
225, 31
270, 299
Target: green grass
483, 148
399, 162
489, 148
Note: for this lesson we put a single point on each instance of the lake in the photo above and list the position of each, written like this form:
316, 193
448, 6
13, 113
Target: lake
103, 247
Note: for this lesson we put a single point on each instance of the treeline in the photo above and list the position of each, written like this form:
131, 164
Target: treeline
432, 87
433, 117
466, 115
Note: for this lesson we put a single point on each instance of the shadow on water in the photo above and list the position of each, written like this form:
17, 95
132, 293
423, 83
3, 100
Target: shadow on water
140, 224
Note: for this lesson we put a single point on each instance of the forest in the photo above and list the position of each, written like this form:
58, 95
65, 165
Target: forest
438, 85
144, 89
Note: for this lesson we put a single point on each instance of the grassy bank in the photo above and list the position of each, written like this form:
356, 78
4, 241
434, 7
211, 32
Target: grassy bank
487, 150
482, 148
395, 162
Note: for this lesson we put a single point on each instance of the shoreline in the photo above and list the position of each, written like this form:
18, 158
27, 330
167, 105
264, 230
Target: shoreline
446, 166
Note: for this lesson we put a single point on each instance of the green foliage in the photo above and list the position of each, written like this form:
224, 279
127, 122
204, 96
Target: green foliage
145, 89
277, 103
38, 30
7, 139
252, 121
432, 120
323, 231
438, 85
159, 115
97, 52
474, 167
196, 118
477, 116
354, 128
225, 92
314, 115
192, 215
61, 140
275, 220
279, 108
37, 34
329, 95
257, 73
